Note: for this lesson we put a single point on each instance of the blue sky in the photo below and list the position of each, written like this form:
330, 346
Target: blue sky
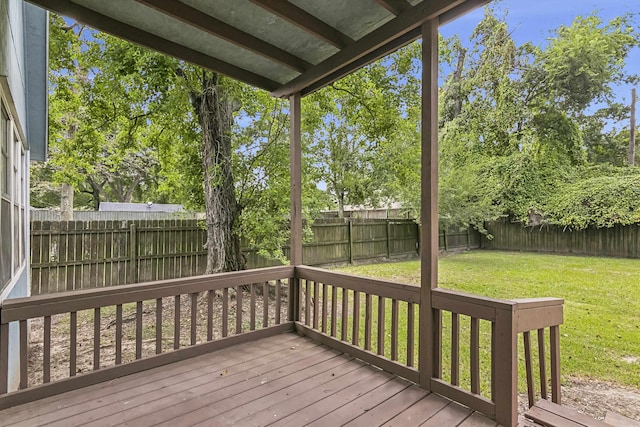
534, 20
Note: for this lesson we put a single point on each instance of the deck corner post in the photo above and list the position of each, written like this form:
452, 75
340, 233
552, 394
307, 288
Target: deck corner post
505, 368
295, 156
428, 352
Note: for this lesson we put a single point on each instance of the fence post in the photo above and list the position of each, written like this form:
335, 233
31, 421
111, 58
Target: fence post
133, 253
388, 239
350, 241
468, 237
444, 237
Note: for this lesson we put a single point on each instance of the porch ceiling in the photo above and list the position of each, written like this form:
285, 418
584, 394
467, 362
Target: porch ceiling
282, 46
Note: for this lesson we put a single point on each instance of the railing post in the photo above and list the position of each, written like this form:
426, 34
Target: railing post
505, 368
295, 161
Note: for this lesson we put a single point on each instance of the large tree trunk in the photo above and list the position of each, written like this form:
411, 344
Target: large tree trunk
214, 111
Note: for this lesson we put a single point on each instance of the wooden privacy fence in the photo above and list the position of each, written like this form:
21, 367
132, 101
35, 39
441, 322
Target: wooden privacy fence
90, 254
617, 241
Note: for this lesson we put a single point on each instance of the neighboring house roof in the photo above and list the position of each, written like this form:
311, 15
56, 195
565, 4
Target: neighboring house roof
139, 207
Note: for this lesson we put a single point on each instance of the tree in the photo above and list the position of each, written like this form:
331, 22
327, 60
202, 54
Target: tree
101, 114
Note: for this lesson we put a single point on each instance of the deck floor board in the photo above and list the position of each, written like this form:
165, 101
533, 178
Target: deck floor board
286, 380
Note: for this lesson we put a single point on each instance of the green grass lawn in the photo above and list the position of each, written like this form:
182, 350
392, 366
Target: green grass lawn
600, 338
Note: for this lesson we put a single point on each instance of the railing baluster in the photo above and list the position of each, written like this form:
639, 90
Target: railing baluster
437, 343
4, 357
455, 349
252, 303
367, 322
325, 299
225, 312
210, 295
24, 355
278, 297
529, 367
316, 300
334, 310
555, 364
46, 359
158, 325
345, 314
265, 304
494, 348
96, 339
475, 355
194, 317
138, 330
543, 364
410, 334
176, 322
238, 309
355, 335
381, 311
73, 342
307, 303
394, 329
118, 334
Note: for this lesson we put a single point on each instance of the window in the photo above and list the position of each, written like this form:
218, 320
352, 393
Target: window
17, 202
13, 196
23, 201
5, 202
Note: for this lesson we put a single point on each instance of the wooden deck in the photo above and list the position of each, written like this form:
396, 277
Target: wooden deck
284, 380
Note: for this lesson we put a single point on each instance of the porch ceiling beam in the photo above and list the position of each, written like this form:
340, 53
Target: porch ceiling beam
395, 6
306, 21
393, 45
138, 36
213, 26
404, 23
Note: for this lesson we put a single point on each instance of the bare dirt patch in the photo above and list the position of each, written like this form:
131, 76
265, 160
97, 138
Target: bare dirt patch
595, 398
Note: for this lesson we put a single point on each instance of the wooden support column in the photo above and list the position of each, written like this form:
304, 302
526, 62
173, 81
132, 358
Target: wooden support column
296, 203
428, 345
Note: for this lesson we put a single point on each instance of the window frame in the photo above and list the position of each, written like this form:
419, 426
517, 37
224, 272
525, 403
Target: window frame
13, 197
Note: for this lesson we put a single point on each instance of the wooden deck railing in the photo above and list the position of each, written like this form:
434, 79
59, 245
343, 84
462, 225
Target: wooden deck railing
137, 327
373, 320
492, 327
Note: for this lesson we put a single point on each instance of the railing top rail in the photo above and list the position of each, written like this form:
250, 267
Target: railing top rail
65, 302
474, 299
393, 290
510, 304
525, 303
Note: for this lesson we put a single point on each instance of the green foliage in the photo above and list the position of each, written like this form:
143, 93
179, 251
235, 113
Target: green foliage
600, 201
583, 60
517, 126
123, 128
